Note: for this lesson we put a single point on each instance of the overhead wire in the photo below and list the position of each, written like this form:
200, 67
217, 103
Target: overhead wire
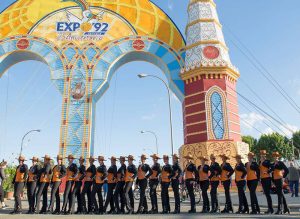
262, 70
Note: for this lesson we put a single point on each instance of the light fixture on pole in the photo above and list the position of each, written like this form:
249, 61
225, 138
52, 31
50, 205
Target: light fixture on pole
170, 110
34, 130
153, 133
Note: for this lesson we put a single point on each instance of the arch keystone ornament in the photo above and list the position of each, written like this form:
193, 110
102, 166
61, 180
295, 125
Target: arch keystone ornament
84, 42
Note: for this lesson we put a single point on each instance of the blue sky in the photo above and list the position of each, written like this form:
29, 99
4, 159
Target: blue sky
267, 28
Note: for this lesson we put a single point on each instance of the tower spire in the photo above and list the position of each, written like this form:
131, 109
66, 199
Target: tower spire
205, 40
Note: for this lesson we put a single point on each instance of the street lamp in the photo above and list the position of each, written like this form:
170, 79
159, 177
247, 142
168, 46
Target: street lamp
170, 110
35, 130
153, 133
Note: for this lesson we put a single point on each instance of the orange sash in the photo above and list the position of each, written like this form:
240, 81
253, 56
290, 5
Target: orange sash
251, 174
19, 176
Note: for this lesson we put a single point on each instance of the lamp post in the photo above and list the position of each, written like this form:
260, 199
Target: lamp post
153, 133
34, 130
170, 110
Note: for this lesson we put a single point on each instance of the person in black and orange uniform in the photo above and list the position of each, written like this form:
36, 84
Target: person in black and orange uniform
144, 172
87, 188
191, 176
153, 183
266, 179
252, 181
59, 171
240, 174
226, 173
111, 181
130, 175
280, 171
175, 183
19, 183
215, 171
32, 184
119, 196
44, 181
203, 170
77, 187
166, 176
101, 173
72, 170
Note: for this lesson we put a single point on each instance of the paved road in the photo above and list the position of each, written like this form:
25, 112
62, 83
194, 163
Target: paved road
294, 204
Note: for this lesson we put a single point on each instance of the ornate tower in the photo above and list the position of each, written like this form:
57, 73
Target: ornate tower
211, 119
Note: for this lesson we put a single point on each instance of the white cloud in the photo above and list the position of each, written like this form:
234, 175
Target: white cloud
252, 119
170, 5
149, 117
268, 130
288, 129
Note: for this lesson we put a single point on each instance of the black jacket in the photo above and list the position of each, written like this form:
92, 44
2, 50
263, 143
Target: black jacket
168, 168
227, 167
146, 168
23, 169
177, 170
91, 169
156, 167
215, 170
102, 169
62, 169
254, 166
132, 169
114, 170
192, 168
281, 166
34, 170
122, 171
241, 167
81, 170
267, 164
73, 167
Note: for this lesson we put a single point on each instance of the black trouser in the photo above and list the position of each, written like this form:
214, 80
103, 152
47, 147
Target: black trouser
110, 196
175, 187
190, 188
165, 196
153, 183
143, 205
31, 193
43, 190
97, 189
129, 196
243, 203
204, 185
213, 194
119, 196
226, 185
68, 195
87, 189
55, 196
77, 194
252, 185
281, 199
1, 193
18, 188
266, 184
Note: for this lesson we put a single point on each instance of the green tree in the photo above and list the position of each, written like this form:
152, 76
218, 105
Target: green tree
274, 142
296, 142
251, 141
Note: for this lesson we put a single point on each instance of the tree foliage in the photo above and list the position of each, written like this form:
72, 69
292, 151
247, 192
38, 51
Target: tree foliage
271, 143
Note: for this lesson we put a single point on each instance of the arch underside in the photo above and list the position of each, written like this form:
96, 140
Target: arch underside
156, 52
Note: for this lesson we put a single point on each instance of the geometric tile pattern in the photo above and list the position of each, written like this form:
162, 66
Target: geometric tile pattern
217, 115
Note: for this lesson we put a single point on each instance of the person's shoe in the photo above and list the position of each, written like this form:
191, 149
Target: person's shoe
12, 212
253, 212
145, 211
192, 211
287, 211
245, 211
176, 211
153, 211
130, 212
269, 211
4, 207
43, 212
56, 212
279, 212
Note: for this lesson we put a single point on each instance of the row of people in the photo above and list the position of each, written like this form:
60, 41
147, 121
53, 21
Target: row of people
82, 182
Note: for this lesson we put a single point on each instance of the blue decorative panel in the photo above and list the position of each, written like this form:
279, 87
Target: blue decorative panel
217, 115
